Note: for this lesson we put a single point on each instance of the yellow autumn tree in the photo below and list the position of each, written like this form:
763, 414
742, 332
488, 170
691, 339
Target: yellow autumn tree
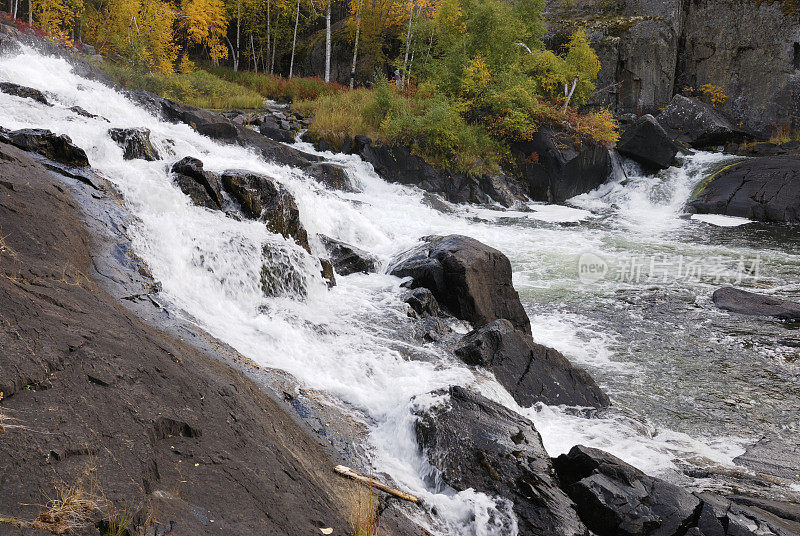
140, 30
58, 17
205, 24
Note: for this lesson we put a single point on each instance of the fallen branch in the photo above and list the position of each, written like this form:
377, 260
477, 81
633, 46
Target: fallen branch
346, 471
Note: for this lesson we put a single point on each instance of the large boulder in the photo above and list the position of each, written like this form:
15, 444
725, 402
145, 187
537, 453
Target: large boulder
476, 443
396, 163
529, 371
347, 259
58, 148
766, 188
616, 499
263, 198
135, 143
274, 129
698, 124
750, 303
23, 92
555, 167
646, 142
201, 186
468, 278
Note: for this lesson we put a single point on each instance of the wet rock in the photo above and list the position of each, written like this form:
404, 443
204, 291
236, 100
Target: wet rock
135, 143
221, 128
698, 124
750, 303
275, 130
720, 516
531, 372
58, 148
431, 329
766, 189
646, 142
773, 456
333, 176
327, 272
469, 279
24, 92
616, 499
83, 113
554, 168
280, 275
348, 259
476, 443
201, 186
396, 163
262, 198
423, 303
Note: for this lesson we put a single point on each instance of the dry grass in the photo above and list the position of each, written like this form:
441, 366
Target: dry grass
364, 519
784, 135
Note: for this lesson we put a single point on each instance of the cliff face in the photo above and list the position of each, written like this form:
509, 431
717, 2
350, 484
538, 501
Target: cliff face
651, 50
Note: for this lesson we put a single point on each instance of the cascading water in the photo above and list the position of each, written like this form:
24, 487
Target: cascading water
690, 387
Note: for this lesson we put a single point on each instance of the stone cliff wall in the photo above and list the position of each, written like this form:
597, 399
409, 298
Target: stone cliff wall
651, 50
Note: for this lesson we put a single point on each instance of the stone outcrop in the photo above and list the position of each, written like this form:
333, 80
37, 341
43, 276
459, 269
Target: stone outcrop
23, 92
476, 443
698, 124
646, 142
201, 186
135, 143
347, 259
529, 371
471, 280
554, 167
58, 148
766, 188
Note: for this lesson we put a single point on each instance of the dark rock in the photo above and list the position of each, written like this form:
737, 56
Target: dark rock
348, 259
135, 143
616, 499
280, 275
431, 329
531, 372
24, 92
327, 272
82, 112
476, 443
698, 124
423, 303
396, 163
262, 198
469, 279
201, 186
221, 128
739, 520
276, 133
333, 176
766, 189
646, 142
58, 148
231, 437
773, 456
750, 303
554, 168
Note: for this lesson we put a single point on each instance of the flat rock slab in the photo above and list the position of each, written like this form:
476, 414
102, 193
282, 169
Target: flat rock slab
750, 303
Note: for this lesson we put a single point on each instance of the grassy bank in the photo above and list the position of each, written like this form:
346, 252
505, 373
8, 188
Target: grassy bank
276, 87
439, 130
198, 88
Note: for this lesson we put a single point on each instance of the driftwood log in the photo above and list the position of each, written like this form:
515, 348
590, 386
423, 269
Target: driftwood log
369, 481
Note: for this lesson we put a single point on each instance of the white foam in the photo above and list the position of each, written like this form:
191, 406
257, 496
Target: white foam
721, 220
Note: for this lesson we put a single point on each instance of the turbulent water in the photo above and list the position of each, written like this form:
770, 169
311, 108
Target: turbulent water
620, 282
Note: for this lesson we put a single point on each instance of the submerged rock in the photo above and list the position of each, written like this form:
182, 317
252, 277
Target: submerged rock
476, 443
531, 372
423, 303
766, 188
348, 259
698, 124
750, 303
468, 278
554, 167
262, 198
58, 148
333, 176
646, 142
24, 92
135, 143
201, 186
